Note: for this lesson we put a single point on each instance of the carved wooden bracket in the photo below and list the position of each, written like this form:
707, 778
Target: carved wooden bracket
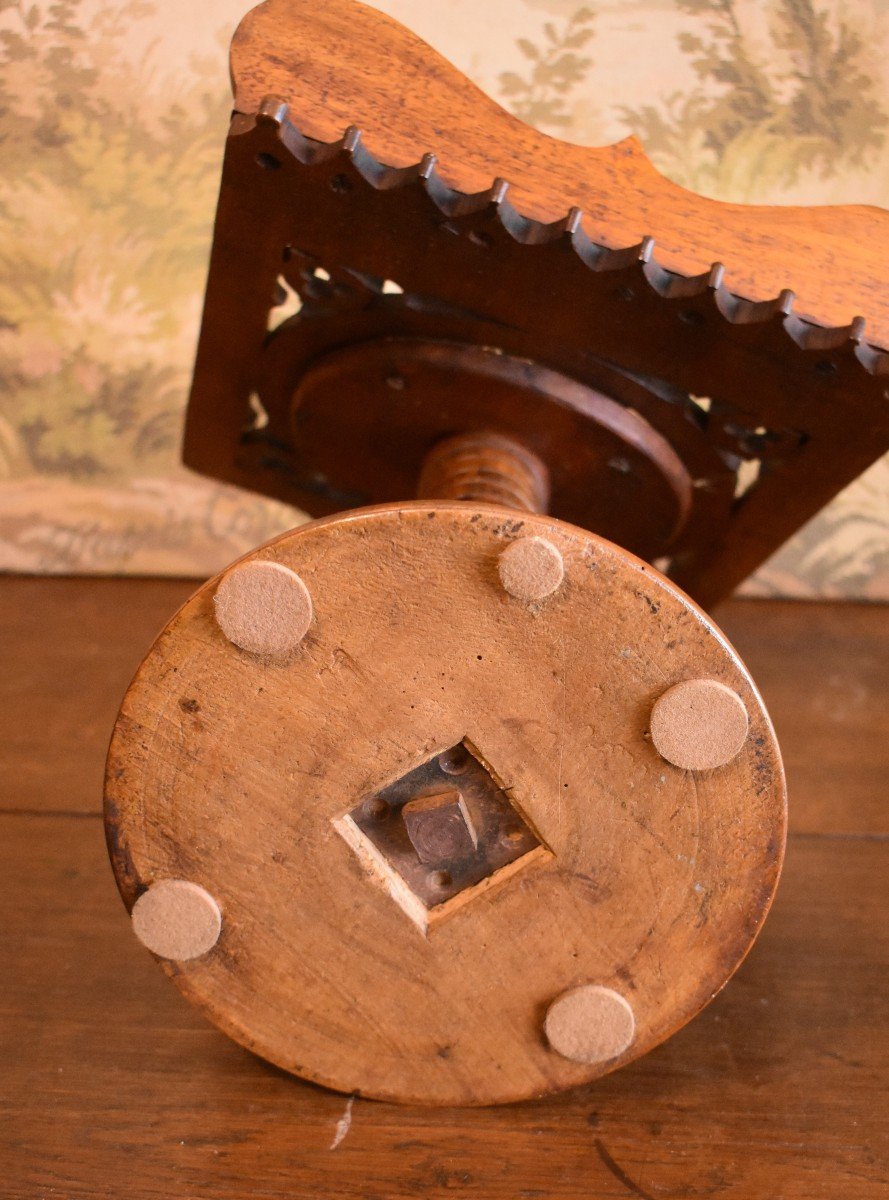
439, 268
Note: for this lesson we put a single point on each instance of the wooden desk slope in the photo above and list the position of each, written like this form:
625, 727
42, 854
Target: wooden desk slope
113, 1087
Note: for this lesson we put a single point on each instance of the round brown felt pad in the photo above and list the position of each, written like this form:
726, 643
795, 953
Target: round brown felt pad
530, 568
263, 607
177, 919
699, 724
590, 1024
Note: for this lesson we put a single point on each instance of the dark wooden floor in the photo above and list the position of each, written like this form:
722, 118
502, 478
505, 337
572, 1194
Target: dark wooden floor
111, 1086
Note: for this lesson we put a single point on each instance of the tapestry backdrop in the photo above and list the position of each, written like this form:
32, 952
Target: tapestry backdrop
113, 115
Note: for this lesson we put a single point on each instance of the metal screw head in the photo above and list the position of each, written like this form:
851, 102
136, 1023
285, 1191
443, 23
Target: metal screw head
454, 761
440, 826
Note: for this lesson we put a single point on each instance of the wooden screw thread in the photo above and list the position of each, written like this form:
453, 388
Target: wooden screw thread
485, 467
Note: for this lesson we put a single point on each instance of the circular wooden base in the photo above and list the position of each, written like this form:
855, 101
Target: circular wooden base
428, 711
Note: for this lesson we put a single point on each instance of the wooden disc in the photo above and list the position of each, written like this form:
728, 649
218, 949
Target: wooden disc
277, 784
370, 418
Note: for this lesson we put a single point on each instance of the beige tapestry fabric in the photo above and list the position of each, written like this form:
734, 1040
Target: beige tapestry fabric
113, 115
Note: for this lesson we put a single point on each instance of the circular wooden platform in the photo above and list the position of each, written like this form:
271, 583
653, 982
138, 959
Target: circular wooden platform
295, 787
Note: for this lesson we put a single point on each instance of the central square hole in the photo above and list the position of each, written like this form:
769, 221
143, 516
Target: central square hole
439, 833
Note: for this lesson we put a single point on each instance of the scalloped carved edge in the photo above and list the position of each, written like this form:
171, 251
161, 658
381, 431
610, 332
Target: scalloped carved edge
339, 61
845, 342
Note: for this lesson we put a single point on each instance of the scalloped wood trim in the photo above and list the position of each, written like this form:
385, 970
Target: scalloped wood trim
339, 63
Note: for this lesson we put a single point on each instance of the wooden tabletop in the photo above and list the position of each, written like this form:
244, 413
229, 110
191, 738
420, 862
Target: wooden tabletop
112, 1086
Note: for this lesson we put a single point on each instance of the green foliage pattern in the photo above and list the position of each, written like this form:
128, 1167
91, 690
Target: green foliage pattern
110, 216
555, 68
810, 104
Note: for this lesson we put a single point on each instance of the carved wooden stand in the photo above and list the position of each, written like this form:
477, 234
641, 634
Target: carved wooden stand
448, 799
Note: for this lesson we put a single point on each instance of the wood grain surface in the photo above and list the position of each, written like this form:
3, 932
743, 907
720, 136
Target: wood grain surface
236, 772
340, 63
75, 645
112, 1086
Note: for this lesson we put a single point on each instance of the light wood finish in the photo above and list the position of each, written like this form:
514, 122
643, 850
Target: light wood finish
112, 1086
75, 646
238, 774
341, 64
